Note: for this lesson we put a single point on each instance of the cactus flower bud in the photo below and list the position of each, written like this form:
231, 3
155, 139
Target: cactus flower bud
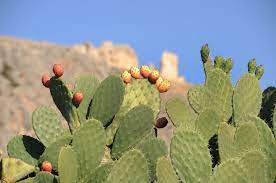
259, 71
228, 65
205, 51
219, 60
252, 66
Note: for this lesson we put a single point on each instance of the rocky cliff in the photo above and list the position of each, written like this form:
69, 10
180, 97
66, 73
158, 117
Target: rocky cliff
22, 62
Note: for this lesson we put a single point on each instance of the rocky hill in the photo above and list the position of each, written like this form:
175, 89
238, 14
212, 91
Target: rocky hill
22, 62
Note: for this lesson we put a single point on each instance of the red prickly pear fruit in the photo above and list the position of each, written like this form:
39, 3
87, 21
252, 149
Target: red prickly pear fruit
47, 166
135, 72
154, 75
126, 77
77, 98
58, 70
161, 122
46, 80
159, 81
145, 71
164, 86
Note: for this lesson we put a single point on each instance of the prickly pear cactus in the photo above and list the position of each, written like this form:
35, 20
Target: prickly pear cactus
244, 148
122, 109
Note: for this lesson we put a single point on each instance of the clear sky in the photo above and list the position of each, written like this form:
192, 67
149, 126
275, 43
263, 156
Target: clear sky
241, 29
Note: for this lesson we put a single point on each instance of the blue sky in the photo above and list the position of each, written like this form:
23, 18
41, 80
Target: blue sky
241, 29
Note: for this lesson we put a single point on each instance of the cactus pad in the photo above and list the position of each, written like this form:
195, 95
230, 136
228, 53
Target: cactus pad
196, 97
229, 170
274, 121
190, 156
180, 113
26, 148
247, 98
226, 135
45, 177
15, 169
207, 123
67, 165
87, 85
153, 149
132, 167
99, 175
46, 124
138, 92
136, 125
107, 99
51, 153
165, 172
89, 143
62, 97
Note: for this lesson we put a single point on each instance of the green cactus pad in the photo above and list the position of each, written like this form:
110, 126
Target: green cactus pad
45, 177
67, 165
205, 57
247, 98
153, 149
196, 98
107, 99
254, 162
87, 85
165, 172
230, 170
62, 97
190, 156
207, 123
99, 175
226, 135
131, 167
180, 113
51, 153
136, 126
89, 143
26, 148
138, 92
219, 92
15, 169
28, 180
46, 124
247, 138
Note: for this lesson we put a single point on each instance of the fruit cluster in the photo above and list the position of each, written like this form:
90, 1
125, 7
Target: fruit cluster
152, 75
58, 72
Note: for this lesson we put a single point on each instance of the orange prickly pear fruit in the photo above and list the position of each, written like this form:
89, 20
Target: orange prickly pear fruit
161, 122
46, 80
58, 70
47, 166
154, 75
164, 86
126, 77
145, 71
77, 98
159, 81
135, 72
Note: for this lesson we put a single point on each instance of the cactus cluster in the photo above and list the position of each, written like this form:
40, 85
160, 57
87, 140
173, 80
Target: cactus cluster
110, 136
219, 136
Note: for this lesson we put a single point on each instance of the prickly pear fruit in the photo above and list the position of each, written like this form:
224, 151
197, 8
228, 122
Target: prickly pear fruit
47, 166
58, 70
159, 81
46, 80
161, 122
126, 77
154, 75
77, 98
164, 86
145, 71
135, 72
